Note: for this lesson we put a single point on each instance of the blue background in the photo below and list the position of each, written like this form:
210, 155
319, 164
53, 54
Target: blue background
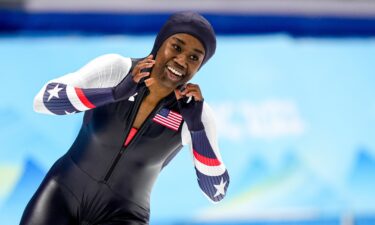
295, 119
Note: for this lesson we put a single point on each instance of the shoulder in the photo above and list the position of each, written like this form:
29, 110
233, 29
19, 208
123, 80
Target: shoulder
114, 60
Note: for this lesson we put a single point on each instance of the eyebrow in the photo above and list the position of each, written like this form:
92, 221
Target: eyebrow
183, 43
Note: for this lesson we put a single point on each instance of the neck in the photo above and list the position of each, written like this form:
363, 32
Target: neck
158, 91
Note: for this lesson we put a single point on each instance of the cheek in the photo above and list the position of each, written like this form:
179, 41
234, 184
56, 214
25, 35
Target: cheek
191, 75
193, 70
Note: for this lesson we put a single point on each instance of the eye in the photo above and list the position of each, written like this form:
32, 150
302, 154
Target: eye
176, 47
194, 57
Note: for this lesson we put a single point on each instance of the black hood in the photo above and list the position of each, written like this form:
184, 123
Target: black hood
190, 23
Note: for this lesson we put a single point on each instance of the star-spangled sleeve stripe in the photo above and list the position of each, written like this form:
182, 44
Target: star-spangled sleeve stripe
212, 175
82, 97
201, 144
204, 157
61, 99
90, 86
209, 170
214, 187
60, 103
205, 160
74, 99
94, 97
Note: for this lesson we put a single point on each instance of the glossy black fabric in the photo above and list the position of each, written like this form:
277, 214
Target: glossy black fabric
99, 181
69, 196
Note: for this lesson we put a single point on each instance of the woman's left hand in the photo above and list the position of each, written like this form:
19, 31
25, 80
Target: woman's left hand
191, 110
190, 90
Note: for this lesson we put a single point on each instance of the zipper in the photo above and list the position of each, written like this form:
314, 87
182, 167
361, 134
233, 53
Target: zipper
147, 121
145, 124
132, 118
139, 132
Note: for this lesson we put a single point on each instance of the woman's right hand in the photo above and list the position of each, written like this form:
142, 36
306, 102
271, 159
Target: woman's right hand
139, 70
128, 85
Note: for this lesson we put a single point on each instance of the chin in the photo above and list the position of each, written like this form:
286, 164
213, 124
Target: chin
170, 84
166, 82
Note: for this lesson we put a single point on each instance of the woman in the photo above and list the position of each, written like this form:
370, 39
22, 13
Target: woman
139, 114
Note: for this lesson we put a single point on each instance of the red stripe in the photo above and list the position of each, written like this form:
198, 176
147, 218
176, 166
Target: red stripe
165, 124
83, 98
131, 134
177, 120
175, 114
205, 160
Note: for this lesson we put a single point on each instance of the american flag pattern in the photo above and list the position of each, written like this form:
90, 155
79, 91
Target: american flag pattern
61, 99
213, 178
168, 118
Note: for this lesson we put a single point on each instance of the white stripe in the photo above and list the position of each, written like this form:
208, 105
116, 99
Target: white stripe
175, 114
175, 119
74, 99
159, 120
164, 122
209, 170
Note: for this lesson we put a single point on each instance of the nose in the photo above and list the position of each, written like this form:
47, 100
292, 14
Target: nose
180, 60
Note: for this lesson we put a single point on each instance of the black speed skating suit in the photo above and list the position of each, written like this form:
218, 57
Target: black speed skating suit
100, 180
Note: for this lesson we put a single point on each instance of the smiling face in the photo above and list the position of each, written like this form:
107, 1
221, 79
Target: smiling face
177, 60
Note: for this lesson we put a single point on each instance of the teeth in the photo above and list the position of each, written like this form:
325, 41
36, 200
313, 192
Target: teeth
174, 71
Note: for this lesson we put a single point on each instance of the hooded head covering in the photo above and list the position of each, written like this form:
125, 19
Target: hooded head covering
190, 23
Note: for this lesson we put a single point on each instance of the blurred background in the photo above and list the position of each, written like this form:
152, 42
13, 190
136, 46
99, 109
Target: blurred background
292, 85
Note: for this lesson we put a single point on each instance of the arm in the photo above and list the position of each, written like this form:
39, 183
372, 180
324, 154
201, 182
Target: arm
213, 177
89, 87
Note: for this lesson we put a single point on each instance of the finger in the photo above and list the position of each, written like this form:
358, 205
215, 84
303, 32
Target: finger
196, 94
178, 94
145, 65
140, 69
148, 59
142, 63
139, 76
149, 82
191, 87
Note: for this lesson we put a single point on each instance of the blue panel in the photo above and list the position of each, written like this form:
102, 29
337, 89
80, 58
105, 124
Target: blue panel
127, 23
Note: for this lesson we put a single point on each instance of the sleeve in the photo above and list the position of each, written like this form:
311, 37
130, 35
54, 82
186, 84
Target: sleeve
87, 88
212, 175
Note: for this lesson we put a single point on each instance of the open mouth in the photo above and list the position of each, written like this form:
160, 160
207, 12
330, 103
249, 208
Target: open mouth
174, 74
